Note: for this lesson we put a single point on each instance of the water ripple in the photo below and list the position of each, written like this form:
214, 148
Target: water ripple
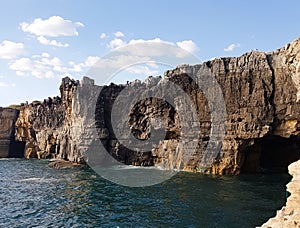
34, 195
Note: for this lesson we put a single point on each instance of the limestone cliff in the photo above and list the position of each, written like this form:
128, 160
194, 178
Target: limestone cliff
261, 93
9, 147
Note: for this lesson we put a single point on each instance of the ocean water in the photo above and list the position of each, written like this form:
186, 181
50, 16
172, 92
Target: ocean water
34, 195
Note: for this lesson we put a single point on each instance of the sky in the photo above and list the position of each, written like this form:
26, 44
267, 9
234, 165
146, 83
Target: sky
43, 41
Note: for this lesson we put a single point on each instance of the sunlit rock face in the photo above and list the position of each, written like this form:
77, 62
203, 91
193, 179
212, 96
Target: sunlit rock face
261, 95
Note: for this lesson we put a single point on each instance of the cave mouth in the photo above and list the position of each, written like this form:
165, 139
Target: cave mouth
272, 154
277, 153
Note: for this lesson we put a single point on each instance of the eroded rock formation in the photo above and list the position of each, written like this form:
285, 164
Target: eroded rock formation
9, 147
261, 93
289, 215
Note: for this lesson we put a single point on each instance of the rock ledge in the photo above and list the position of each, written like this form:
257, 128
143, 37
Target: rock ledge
289, 215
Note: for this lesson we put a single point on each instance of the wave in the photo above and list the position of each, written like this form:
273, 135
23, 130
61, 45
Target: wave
10, 159
38, 179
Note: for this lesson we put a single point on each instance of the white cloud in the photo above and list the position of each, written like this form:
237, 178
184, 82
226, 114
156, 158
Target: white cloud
10, 49
116, 43
53, 26
145, 54
45, 66
55, 43
144, 70
45, 55
40, 68
119, 34
103, 35
156, 40
91, 60
160, 47
187, 45
231, 47
119, 61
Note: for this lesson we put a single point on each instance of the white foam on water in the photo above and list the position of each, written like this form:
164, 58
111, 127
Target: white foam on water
38, 179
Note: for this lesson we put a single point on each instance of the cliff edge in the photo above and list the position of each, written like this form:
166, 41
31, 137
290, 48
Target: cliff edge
261, 93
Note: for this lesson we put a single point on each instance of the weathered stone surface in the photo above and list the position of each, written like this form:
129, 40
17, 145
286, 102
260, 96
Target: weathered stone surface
289, 215
261, 93
63, 164
9, 147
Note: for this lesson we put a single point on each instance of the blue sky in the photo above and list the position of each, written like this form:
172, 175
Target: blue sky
42, 41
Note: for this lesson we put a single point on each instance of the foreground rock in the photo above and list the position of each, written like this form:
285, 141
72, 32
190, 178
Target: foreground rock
62, 164
261, 93
289, 215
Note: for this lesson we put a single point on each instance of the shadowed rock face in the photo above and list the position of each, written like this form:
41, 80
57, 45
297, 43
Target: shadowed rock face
261, 93
8, 146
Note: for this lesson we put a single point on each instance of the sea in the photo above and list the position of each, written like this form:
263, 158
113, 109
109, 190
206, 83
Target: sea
35, 195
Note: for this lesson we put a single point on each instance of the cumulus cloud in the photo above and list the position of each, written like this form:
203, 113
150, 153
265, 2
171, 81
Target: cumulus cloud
146, 52
55, 43
231, 47
160, 47
41, 68
187, 45
116, 43
103, 35
53, 26
118, 34
45, 66
10, 49
91, 60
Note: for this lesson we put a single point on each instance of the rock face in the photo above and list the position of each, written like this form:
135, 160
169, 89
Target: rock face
261, 93
9, 147
45, 126
289, 215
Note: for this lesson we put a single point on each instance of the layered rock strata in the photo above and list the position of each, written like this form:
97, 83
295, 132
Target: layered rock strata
261, 92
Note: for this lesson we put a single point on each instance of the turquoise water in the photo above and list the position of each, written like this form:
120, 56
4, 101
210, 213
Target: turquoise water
34, 195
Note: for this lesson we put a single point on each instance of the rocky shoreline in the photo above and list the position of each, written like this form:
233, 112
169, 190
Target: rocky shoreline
261, 93
289, 215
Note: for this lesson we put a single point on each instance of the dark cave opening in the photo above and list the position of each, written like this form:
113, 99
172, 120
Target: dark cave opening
271, 154
277, 153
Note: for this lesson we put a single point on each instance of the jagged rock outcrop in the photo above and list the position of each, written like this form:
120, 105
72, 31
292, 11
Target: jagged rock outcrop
9, 147
45, 126
261, 93
289, 215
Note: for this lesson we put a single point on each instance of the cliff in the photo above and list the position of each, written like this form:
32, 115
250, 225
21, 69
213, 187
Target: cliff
9, 147
289, 215
261, 93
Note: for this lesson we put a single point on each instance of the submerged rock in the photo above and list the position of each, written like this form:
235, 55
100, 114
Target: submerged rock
62, 164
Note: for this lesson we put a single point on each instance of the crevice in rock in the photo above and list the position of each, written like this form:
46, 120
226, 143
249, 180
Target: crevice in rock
272, 103
16, 148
